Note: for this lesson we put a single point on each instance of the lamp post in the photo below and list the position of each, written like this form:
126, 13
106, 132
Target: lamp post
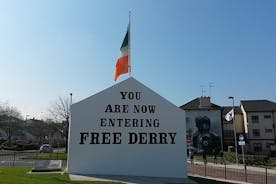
234, 127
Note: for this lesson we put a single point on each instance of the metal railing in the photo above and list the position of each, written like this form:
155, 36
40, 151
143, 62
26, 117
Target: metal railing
22, 158
242, 173
15, 159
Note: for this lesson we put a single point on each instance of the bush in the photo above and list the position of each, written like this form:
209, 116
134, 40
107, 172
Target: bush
19, 146
230, 157
249, 159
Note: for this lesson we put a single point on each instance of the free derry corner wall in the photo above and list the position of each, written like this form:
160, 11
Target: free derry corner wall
127, 129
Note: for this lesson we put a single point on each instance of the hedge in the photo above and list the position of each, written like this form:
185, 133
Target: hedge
249, 159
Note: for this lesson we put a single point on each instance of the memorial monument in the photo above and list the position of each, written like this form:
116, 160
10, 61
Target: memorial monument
127, 129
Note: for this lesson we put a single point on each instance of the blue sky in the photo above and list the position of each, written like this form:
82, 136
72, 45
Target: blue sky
53, 48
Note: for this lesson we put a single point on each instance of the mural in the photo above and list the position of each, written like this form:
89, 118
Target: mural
203, 132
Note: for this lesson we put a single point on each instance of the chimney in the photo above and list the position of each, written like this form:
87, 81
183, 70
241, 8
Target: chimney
204, 102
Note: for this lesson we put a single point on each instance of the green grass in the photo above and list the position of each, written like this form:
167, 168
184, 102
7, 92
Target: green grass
50, 156
209, 159
18, 175
13, 175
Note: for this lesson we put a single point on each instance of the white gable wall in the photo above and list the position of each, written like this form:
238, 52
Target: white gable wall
160, 160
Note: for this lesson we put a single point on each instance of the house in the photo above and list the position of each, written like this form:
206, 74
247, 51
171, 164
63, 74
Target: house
3, 135
259, 120
228, 128
203, 125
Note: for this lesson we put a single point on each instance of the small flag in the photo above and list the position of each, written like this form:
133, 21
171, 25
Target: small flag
230, 115
122, 65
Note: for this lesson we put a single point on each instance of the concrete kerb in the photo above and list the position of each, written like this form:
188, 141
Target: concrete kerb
46, 172
130, 179
218, 179
75, 177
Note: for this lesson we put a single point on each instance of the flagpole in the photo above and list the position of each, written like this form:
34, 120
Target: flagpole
234, 127
129, 57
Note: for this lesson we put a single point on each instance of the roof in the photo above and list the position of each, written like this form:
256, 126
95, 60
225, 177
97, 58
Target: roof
226, 109
258, 105
195, 105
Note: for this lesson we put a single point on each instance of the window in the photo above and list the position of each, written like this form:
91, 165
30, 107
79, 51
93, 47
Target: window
268, 145
188, 124
256, 132
255, 119
187, 120
268, 130
267, 116
228, 133
257, 146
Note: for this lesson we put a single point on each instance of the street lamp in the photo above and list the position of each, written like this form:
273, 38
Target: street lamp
234, 127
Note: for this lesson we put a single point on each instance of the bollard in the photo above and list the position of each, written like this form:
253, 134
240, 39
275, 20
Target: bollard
245, 173
193, 169
224, 170
204, 168
13, 159
265, 175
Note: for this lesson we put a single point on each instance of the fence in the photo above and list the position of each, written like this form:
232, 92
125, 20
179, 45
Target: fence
233, 172
25, 158
248, 174
15, 159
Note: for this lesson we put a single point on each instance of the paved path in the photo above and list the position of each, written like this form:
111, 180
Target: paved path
254, 175
131, 179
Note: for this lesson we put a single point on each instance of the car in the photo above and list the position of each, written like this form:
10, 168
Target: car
46, 148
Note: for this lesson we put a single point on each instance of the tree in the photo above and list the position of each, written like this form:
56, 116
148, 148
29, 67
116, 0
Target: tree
60, 112
55, 132
10, 119
38, 128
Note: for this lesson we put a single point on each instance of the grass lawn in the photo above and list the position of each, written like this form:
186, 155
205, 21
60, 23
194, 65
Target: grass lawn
51, 156
18, 175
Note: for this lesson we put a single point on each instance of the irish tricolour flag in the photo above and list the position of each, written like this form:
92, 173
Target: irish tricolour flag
122, 65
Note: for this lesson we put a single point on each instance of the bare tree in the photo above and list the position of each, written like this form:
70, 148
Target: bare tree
55, 132
60, 112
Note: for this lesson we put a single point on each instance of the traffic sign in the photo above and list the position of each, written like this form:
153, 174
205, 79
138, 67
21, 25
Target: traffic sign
241, 143
241, 137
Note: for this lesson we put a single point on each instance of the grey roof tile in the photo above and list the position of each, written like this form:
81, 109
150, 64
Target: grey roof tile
258, 105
